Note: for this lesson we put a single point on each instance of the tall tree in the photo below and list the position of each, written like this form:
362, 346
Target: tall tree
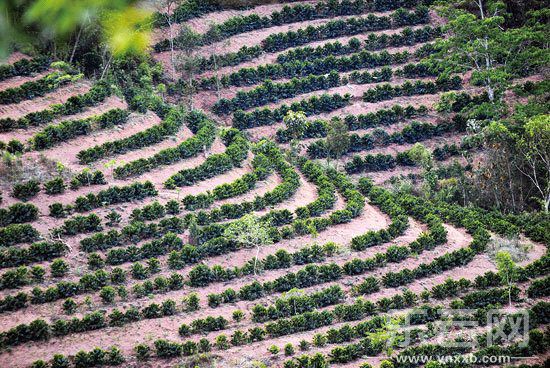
295, 123
249, 232
534, 147
338, 139
507, 271
478, 42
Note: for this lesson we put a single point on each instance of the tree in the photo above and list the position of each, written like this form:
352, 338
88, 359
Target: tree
338, 139
534, 147
478, 42
52, 25
507, 271
295, 125
248, 232
166, 10
421, 156
188, 65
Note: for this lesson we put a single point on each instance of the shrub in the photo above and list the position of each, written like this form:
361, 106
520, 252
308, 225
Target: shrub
55, 186
18, 213
107, 294
59, 268
238, 315
289, 349
69, 306
26, 190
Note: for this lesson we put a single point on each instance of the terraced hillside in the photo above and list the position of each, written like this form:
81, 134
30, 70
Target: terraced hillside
280, 190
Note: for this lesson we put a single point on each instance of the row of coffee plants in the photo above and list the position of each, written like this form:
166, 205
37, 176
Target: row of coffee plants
383, 162
234, 155
215, 61
270, 92
311, 106
407, 37
58, 186
190, 9
18, 213
295, 69
297, 303
40, 330
383, 117
134, 232
23, 275
54, 134
97, 357
203, 138
99, 279
298, 13
262, 167
348, 27
169, 126
36, 252
106, 197
412, 133
314, 275
299, 322
39, 87
18, 233
24, 67
283, 191
74, 104
387, 91
78, 225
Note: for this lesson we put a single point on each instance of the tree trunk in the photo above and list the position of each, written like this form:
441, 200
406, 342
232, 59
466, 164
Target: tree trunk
75, 44
490, 91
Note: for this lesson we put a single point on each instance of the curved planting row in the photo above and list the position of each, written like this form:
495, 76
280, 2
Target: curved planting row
382, 117
204, 131
270, 92
311, 106
69, 129
412, 133
288, 14
170, 125
383, 162
74, 104
39, 87
234, 155
106, 197
407, 37
293, 69
24, 67
190, 9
